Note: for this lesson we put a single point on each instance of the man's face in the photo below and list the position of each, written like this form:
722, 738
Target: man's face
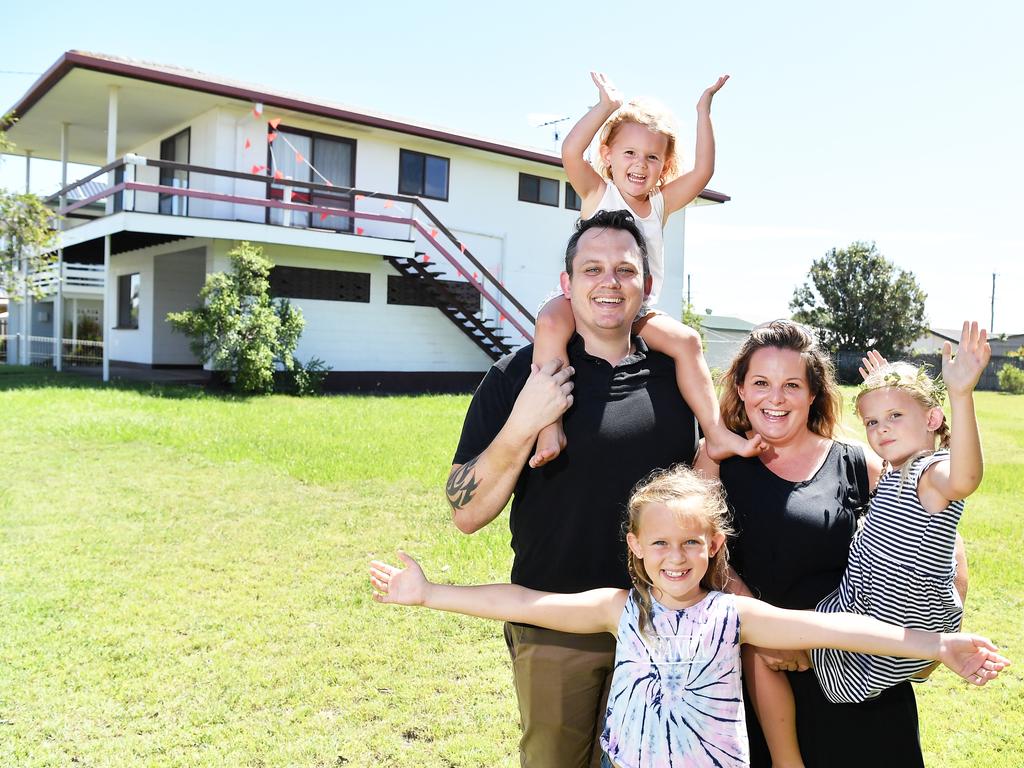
607, 286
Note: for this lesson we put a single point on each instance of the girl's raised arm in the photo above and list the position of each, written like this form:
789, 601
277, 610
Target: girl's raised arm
961, 475
972, 657
598, 610
682, 190
582, 176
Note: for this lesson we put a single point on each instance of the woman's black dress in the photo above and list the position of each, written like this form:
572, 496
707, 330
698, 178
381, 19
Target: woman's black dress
791, 545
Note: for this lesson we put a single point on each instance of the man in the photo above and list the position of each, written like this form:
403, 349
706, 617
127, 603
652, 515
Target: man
624, 417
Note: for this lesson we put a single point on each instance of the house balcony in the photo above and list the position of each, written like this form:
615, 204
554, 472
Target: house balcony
140, 201
81, 280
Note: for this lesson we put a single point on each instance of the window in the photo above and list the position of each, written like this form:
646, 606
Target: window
572, 200
535, 189
128, 301
413, 292
321, 284
422, 175
176, 150
333, 156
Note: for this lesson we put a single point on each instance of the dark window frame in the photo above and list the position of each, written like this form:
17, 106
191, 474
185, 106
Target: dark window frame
536, 182
422, 191
167, 175
568, 201
308, 196
129, 302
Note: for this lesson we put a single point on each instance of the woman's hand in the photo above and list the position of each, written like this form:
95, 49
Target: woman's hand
784, 661
402, 586
610, 96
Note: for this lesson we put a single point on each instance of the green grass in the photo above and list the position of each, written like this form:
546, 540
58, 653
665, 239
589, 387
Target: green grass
182, 582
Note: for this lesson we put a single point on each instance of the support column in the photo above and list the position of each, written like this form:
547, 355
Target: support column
28, 170
112, 99
58, 304
106, 308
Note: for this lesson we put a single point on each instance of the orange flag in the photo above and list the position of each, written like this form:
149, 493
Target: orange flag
271, 137
433, 233
360, 197
359, 230
248, 143
278, 175
275, 122
388, 203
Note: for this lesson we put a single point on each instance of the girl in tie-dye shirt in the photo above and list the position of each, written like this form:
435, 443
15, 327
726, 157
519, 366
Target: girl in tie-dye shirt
675, 697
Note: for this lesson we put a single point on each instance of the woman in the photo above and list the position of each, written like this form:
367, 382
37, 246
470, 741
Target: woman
795, 511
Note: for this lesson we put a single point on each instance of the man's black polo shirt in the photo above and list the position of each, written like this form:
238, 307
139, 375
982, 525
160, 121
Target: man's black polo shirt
566, 517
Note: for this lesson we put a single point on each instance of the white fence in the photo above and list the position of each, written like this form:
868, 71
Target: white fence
42, 351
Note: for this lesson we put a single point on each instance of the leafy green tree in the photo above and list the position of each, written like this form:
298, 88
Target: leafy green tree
695, 321
857, 300
238, 328
26, 232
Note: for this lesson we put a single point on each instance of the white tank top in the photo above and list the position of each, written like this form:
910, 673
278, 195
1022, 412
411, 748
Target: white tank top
653, 227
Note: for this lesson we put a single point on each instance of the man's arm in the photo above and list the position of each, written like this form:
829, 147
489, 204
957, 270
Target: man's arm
480, 488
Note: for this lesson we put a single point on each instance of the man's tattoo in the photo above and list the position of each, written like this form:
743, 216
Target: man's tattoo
462, 485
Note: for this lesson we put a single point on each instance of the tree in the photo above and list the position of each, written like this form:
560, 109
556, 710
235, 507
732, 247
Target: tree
26, 232
695, 321
238, 328
858, 300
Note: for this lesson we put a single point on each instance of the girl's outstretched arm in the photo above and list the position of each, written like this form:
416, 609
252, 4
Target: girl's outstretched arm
961, 475
972, 657
598, 610
582, 176
679, 192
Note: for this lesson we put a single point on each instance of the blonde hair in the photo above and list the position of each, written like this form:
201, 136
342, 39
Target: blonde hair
655, 118
826, 407
922, 388
670, 487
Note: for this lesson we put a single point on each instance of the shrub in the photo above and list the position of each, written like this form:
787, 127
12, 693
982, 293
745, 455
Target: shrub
1011, 379
238, 327
308, 378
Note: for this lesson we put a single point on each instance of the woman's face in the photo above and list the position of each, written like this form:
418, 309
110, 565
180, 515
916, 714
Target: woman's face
776, 395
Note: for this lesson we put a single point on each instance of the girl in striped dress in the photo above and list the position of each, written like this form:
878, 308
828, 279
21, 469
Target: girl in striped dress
901, 564
676, 698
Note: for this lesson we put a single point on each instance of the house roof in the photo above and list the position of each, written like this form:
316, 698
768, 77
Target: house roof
159, 97
725, 323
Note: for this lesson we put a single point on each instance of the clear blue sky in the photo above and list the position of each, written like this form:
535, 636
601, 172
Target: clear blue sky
894, 122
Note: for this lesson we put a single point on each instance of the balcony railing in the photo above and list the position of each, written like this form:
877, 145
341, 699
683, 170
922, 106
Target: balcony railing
221, 194
86, 278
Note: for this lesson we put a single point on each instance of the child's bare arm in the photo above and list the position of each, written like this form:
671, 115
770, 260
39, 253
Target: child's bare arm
972, 657
961, 475
679, 192
597, 610
555, 326
582, 176
683, 345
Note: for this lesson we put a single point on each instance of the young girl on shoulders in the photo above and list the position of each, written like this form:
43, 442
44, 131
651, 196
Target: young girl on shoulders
901, 565
676, 696
638, 171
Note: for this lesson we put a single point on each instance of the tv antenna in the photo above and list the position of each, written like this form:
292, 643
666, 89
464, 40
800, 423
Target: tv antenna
539, 120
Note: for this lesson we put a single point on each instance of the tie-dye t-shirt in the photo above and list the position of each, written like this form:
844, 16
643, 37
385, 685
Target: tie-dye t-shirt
676, 698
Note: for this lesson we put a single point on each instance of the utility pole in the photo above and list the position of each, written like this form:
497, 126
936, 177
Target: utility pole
689, 278
992, 316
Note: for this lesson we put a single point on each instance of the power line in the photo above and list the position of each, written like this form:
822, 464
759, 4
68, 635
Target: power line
17, 72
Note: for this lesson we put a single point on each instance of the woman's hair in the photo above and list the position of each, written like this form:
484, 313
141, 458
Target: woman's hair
826, 407
671, 487
922, 388
655, 118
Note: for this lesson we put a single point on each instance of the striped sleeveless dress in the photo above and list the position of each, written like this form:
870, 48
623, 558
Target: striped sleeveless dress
901, 572
676, 697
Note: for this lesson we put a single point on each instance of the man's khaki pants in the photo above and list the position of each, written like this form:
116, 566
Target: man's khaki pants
562, 684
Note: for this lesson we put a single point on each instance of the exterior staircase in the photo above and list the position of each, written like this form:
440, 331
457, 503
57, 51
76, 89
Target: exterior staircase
465, 317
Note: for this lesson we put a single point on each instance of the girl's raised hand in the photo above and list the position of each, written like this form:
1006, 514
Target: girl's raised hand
871, 363
960, 374
705, 98
972, 657
610, 96
402, 586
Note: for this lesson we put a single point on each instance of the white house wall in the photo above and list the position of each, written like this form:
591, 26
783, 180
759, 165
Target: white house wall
374, 336
132, 345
